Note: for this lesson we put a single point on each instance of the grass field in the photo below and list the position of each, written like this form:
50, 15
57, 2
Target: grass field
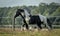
17, 32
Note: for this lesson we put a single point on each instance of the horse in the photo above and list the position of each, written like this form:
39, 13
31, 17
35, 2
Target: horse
33, 19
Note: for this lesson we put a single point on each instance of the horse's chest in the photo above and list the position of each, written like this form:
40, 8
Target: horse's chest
31, 20
27, 19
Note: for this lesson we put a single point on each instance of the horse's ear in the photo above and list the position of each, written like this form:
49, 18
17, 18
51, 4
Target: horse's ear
18, 9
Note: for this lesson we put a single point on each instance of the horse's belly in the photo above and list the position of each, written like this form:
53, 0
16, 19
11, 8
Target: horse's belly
34, 19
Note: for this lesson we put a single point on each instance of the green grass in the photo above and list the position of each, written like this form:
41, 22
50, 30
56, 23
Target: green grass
54, 32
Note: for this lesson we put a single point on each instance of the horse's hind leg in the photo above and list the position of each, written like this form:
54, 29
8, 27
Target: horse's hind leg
49, 23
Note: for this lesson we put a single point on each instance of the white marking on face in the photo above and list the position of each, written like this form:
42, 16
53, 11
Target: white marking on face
22, 14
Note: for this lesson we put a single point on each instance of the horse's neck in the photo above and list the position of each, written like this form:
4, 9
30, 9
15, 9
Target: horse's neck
26, 13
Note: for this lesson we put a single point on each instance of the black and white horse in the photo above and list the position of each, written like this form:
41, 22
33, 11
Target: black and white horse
33, 19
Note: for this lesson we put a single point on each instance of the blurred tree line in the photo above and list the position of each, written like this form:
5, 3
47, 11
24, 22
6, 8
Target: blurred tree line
52, 9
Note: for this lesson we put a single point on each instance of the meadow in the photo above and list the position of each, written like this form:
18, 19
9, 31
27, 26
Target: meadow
18, 32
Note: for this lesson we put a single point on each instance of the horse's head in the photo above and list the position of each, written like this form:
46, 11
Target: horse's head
22, 13
19, 12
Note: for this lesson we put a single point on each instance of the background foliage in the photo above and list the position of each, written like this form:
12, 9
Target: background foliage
52, 9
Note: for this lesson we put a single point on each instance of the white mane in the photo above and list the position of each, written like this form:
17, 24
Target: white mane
26, 13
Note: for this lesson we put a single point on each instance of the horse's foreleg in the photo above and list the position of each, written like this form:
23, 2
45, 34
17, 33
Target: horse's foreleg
25, 24
27, 27
39, 25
